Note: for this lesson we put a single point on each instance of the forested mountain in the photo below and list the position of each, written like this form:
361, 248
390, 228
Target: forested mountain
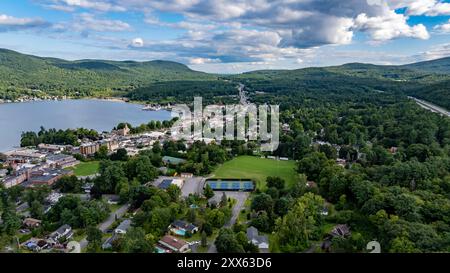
434, 66
417, 80
163, 81
30, 75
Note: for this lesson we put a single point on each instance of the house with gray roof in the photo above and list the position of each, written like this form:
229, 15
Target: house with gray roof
62, 231
261, 241
123, 227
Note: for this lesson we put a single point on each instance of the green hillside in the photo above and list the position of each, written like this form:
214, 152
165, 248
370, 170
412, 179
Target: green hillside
336, 83
30, 75
434, 66
164, 81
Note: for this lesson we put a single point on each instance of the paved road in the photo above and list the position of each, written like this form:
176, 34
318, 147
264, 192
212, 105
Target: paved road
242, 96
240, 197
431, 107
108, 222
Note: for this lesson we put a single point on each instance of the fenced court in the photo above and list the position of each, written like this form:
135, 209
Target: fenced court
231, 184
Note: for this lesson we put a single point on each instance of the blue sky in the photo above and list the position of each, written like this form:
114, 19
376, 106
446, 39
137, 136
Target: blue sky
230, 36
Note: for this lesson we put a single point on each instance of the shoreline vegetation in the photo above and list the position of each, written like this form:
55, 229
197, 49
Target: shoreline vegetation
99, 98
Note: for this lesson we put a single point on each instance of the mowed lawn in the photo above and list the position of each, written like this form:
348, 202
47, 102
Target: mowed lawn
258, 169
86, 168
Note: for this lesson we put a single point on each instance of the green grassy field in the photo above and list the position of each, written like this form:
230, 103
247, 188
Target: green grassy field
258, 169
86, 168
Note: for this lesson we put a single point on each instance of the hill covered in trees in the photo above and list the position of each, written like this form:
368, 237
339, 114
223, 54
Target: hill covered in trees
164, 81
22, 74
354, 79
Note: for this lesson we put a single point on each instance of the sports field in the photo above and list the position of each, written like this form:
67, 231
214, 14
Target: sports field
86, 168
257, 169
231, 184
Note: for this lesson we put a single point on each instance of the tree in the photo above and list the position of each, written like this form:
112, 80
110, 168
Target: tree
329, 151
68, 218
273, 192
261, 222
419, 151
102, 152
242, 239
135, 241
312, 165
111, 174
11, 222
402, 244
192, 215
223, 200
174, 192
275, 182
119, 155
262, 202
216, 218
69, 184
282, 206
204, 241
208, 192
157, 147
37, 209
145, 172
293, 231
207, 228
299, 186
94, 238
226, 242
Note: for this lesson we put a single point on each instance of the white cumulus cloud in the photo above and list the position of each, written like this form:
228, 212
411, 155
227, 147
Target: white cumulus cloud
137, 42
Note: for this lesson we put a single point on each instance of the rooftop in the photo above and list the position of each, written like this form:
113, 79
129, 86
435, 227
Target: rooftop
173, 160
124, 225
173, 242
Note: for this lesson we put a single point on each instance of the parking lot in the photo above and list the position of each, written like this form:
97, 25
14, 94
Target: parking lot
193, 185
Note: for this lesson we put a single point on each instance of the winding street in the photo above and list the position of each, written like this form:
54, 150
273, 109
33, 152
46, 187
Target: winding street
237, 208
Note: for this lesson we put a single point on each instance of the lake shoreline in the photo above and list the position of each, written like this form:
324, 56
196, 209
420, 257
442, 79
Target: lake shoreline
99, 114
111, 99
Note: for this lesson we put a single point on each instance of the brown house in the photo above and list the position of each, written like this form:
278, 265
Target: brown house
174, 244
32, 223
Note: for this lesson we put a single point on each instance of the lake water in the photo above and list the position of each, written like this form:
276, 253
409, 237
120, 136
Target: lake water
100, 115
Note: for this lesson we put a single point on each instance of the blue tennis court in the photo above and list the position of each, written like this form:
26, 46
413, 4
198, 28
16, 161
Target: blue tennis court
231, 185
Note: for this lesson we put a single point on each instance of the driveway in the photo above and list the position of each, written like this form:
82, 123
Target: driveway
108, 222
241, 197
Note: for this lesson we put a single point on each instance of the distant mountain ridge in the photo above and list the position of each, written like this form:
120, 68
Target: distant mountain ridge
22, 74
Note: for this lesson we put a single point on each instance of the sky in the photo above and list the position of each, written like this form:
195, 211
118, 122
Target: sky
230, 36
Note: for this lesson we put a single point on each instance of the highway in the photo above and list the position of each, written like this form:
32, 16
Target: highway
431, 107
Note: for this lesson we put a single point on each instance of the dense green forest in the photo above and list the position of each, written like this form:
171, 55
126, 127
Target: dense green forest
167, 82
35, 76
394, 186
185, 91
358, 79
